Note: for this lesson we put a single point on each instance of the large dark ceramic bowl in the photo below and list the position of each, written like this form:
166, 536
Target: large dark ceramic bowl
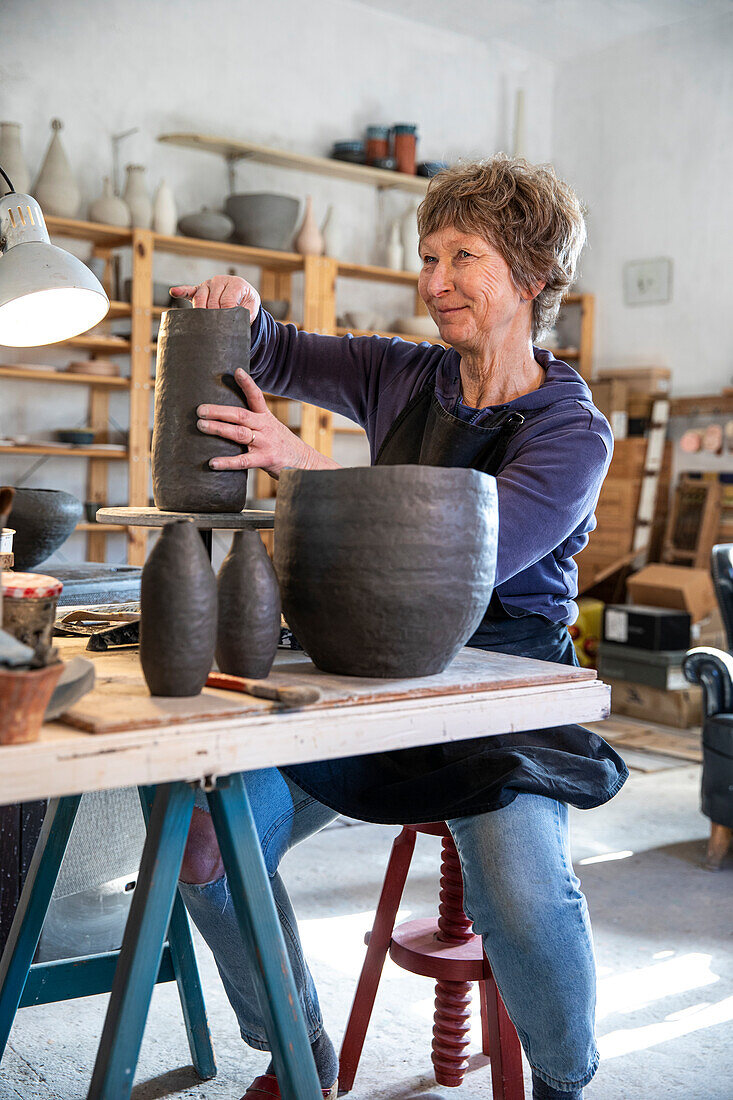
263, 220
386, 570
43, 519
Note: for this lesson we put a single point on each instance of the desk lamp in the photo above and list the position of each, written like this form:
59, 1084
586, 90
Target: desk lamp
46, 294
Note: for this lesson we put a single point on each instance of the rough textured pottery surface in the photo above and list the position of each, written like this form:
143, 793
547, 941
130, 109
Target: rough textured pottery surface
248, 629
164, 210
263, 220
198, 353
56, 189
109, 208
178, 612
385, 570
208, 225
12, 159
43, 519
137, 198
309, 241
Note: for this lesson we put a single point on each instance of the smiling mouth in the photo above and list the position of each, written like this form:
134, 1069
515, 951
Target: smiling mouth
447, 312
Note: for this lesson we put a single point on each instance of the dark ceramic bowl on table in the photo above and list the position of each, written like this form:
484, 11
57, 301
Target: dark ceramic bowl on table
263, 220
385, 571
43, 519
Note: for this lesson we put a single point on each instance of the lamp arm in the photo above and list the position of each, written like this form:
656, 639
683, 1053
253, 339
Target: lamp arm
7, 179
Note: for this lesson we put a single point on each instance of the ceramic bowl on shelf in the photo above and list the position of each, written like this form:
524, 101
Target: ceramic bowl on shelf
207, 225
263, 219
104, 368
80, 437
419, 325
362, 320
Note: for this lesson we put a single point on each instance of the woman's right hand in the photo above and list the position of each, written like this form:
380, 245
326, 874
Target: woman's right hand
221, 292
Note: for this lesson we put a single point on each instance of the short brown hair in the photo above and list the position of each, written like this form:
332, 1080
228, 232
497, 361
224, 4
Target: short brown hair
533, 219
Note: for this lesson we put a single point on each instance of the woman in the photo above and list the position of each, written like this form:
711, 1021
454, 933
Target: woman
499, 243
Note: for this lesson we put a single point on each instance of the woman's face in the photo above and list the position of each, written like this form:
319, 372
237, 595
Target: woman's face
468, 289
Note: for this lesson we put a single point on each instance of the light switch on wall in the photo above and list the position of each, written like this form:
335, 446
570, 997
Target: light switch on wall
647, 281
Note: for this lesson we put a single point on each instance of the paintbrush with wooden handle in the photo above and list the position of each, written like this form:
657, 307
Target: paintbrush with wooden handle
290, 696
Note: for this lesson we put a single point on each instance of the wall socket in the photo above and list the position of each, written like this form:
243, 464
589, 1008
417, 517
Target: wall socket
647, 281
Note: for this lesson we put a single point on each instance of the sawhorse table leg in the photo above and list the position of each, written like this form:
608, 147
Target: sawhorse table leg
32, 907
263, 940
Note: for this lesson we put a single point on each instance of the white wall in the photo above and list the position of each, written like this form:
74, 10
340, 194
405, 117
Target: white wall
292, 75
644, 131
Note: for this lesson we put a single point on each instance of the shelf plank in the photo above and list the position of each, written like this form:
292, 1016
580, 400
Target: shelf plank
118, 309
412, 339
63, 376
62, 452
372, 273
114, 345
281, 158
229, 253
110, 236
711, 404
100, 527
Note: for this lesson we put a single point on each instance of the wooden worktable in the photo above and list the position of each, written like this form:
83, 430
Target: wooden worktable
480, 693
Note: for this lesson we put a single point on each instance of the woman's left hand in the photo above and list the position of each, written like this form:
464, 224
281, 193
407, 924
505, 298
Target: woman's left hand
271, 446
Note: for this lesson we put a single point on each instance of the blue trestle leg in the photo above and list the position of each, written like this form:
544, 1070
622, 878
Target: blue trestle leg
25, 931
262, 937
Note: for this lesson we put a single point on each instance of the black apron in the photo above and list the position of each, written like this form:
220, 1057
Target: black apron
439, 782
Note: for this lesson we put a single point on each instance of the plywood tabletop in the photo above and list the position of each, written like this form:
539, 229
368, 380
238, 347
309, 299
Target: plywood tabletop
147, 740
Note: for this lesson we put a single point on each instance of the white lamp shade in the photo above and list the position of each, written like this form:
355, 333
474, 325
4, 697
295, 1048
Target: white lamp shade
46, 295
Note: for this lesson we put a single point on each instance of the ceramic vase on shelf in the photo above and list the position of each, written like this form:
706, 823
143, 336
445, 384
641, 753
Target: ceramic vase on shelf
395, 250
177, 612
137, 198
109, 208
164, 210
56, 189
12, 160
248, 629
309, 241
410, 239
331, 234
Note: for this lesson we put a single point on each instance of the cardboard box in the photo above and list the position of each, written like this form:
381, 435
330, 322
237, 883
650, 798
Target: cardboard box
674, 586
680, 709
629, 457
618, 503
710, 631
655, 628
611, 397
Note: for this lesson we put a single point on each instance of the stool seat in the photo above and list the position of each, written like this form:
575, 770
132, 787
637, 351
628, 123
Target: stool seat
415, 947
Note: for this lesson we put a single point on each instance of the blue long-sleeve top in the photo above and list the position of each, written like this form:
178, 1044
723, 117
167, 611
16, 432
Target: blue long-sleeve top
549, 478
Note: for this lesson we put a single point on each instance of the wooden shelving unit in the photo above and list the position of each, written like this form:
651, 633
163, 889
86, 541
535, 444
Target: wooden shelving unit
321, 276
233, 151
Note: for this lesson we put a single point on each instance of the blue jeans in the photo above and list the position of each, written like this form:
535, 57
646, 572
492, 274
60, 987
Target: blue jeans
520, 892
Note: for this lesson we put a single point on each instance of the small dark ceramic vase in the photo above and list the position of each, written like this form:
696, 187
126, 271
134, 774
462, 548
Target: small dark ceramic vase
178, 613
248, 629
385, 570
43, 519
198, 353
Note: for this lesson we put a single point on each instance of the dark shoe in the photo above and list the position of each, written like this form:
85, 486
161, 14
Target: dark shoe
267, 1086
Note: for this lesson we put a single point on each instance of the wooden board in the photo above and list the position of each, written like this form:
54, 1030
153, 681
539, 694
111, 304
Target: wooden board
120, 700
207, 521
651, 737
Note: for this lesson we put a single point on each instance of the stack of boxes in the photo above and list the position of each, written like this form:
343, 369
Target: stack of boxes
643, 645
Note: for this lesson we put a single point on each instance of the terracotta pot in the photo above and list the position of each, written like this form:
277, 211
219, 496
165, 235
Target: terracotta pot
24, 697
43, 519
386, 570
248, 628
178, 612
198, 352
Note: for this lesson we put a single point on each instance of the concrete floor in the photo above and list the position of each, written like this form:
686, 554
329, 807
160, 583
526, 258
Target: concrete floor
663, 938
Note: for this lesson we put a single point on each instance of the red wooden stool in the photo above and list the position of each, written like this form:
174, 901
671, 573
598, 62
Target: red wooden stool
447, 950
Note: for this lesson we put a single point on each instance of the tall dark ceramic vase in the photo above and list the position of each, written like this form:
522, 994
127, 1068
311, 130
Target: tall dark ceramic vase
178, 613
248, 629
198, 353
